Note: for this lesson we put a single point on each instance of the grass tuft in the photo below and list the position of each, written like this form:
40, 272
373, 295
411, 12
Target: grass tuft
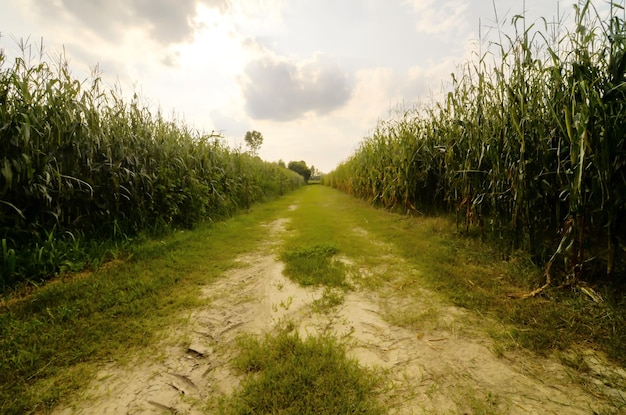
330, 299
289, 375
315, 265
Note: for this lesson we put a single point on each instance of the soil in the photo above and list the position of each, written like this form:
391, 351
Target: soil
449, 365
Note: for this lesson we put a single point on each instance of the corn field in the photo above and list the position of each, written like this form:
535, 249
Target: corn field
79, 164
529, 148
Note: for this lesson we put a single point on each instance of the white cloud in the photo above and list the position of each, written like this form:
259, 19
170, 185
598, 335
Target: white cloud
283, 90
165, 21
326, 140
313, 76
437, 17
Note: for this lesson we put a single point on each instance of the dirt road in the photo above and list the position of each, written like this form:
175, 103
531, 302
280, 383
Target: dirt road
448, 365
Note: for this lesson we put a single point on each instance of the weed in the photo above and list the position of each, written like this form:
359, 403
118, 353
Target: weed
289, 375
315, 265
330, 299
574, 360
481, 403
286, 303
48, 337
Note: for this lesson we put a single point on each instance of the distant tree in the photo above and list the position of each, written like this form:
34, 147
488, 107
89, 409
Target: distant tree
254, 139
281, 163
300, 168
315, 173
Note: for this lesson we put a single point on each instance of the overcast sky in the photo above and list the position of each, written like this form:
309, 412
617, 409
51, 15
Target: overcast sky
313, 76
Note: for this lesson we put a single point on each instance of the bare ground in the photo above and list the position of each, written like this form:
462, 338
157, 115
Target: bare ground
447, 365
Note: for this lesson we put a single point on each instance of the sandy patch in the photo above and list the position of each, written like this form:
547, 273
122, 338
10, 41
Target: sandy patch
446, 366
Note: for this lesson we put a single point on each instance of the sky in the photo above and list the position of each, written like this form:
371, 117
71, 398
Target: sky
313, 76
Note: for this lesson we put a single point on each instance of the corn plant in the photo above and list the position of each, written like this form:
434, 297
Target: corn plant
530, 147
79, 163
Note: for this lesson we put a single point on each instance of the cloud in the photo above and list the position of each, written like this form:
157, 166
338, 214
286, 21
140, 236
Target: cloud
440, 17
326, 140
279, 90
166, 21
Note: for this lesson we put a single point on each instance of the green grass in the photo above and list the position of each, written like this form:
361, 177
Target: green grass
467, 272
315, 265
528, 143
50, 340
311, 247
324, 237
330, 299
80, 166
480, 403
286, 374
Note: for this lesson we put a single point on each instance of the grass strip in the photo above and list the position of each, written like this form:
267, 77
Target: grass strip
314, 265
321, 244
470, 273
50, 341
291, 375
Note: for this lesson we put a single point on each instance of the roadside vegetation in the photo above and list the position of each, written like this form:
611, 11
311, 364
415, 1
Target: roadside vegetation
84, 171
514, 188
437, 256
527, 149
51, 340
470, 273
